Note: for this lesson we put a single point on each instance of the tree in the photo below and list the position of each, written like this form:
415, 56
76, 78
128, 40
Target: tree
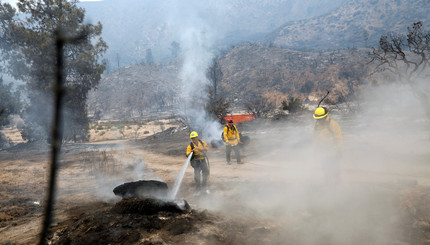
365, 37
149, 58
407, 57
259, 106
217, 106
30, 34
175, 48
214, 74
9, 105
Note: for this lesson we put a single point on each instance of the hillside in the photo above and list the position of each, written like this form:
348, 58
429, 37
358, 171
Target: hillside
135, 90
357, 23
132, 26
249, 71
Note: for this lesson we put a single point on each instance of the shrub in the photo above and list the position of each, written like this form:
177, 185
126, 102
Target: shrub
293, 105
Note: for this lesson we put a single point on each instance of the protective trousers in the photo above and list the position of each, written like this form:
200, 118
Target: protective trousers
235, 148
331, 168
200, 166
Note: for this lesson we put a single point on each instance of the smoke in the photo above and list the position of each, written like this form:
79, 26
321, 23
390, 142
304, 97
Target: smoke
392, 125
386, 149
196, 38
101, 168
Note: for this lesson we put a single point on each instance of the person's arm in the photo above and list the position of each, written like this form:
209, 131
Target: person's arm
225, 134
188, 150
205, 146
237, 135
202, 147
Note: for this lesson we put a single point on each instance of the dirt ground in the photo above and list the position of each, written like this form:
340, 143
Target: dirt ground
278, 196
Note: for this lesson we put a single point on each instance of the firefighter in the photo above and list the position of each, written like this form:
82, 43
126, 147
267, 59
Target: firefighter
328, 143
198, 160
232, 140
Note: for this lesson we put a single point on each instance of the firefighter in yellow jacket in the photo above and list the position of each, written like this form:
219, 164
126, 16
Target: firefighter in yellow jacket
328, 143
198, 160
232, 140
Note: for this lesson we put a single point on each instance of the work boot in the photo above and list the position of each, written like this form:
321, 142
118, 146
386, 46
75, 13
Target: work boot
228, 163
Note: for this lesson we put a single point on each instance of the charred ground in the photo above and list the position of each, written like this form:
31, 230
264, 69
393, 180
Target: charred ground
264, 201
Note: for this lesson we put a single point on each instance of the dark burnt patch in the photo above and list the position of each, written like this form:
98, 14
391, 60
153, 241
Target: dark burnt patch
150, 206
130, 221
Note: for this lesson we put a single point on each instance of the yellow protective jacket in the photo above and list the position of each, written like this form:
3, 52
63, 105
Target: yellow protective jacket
198, 154
328, 136
231, 135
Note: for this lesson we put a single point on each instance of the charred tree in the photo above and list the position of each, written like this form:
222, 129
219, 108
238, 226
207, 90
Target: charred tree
407, 57
217, 105
259, 106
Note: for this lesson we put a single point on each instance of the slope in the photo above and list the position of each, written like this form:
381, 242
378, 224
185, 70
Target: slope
357, 23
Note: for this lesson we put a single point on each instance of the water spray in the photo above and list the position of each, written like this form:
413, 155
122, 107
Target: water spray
178, 181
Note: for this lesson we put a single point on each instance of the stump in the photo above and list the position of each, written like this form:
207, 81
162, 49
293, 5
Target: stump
142, 189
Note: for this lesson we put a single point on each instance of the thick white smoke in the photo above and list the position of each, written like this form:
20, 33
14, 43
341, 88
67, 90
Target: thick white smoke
196, 39
386, 149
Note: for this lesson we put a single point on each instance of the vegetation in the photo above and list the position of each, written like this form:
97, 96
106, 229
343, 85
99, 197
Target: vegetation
293, 105
259, 106
407, 57
9, 105
29, 47
149, 58
248, 69
217, 106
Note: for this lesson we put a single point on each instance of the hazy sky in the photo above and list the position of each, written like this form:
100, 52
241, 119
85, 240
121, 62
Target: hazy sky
15, 1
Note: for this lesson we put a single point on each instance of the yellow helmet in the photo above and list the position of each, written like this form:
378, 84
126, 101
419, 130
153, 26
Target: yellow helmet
320, 112
194, 134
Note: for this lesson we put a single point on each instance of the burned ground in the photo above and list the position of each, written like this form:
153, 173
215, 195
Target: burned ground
268, 200
128, 222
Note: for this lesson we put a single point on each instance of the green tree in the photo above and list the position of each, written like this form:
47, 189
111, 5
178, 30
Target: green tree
407, 57
9, 105
29, 36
